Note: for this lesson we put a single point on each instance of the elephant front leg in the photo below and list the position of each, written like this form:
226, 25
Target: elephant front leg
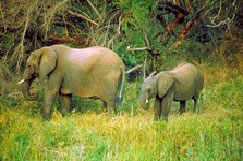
52, 89
65, 100
166, 103
182, 107
48, 100
157, 108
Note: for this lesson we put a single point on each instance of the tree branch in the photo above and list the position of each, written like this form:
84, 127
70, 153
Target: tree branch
172, 8
186, 28
139, 49
134, 68
162, 21
57, 39
83, 17
95, 10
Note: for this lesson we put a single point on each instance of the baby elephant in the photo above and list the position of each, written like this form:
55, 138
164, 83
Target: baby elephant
180, 84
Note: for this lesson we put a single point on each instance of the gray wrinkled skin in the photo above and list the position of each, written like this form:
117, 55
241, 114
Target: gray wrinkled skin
94, 72
180, 84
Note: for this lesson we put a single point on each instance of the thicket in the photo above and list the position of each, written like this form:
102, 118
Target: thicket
161, 26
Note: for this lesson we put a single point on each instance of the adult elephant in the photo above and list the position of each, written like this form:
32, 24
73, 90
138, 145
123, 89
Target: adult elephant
180, 84
94, 72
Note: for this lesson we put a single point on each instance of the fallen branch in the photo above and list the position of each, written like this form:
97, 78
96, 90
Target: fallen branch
134, 68
153, 73
139, 49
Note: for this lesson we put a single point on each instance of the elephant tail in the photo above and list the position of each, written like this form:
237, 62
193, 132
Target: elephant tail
121, 86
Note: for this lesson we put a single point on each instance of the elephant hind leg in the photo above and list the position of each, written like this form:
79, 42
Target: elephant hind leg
105, 106
111, 106
195, 105
65, 100
182, 107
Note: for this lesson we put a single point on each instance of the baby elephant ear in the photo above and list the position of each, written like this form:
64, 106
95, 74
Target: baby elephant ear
164, 83
47, 62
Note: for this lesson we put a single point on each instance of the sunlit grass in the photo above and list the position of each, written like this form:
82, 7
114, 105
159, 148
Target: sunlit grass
213, 134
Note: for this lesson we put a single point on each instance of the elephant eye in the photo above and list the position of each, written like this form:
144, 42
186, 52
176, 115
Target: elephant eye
29, 66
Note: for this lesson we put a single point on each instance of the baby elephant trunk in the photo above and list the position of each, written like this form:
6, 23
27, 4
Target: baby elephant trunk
144, 100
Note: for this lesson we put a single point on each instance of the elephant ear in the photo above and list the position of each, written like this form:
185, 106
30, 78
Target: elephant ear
164, 83
47, 62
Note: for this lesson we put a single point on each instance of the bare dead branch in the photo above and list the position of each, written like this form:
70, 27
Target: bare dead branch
177, 2
171, 27
189, 6
95, 10
134, 68
228, 21
153, 73
139, 49
162, 21
172, 8
83, 17
3, 20
186, 28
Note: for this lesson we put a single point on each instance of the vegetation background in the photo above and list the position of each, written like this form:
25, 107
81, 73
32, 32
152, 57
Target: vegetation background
148, 35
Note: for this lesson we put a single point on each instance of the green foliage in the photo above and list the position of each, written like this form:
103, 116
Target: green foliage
135, 26
224, 93
64, 137
100, 146
6, 44
21, 142
86, 105
10, 102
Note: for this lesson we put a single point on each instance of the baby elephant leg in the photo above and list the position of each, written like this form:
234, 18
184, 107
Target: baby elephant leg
182, 107
166, 103
65, 100
195, 98
157, 108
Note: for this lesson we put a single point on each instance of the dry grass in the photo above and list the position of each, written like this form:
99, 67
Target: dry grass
213, 134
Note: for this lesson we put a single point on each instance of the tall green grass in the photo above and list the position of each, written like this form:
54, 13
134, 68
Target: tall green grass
215, 133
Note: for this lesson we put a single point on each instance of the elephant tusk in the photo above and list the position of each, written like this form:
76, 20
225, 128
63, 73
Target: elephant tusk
21, 81
147, 101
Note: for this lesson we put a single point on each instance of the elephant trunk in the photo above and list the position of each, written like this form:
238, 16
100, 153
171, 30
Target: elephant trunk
144, 100
25, 89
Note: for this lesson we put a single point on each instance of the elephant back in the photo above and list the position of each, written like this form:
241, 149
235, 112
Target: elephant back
188, 80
